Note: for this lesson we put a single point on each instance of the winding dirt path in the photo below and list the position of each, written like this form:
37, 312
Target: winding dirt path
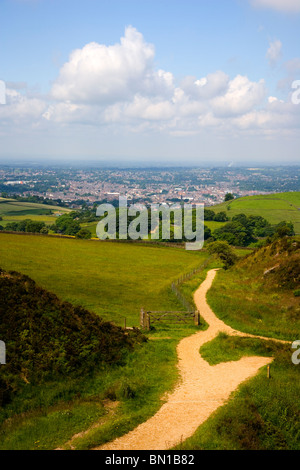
201, 390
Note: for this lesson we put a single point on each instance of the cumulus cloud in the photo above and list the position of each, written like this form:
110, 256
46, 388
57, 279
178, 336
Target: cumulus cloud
206, 87
274, 52
118, 87
241, 96
104, 74
20, 108
290, 6
276, 116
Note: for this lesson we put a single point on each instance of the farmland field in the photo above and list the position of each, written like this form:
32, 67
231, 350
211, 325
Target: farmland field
273, 207
15, 211
112, 279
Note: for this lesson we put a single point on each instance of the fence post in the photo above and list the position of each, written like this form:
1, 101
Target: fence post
148, 321
197, 318
142, 318
145, 320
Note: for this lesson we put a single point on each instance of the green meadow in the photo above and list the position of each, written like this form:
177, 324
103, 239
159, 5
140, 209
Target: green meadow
15, 211
115, 280
273, 207
112, 279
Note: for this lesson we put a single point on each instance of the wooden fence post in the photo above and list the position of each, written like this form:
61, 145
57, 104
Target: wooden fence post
148, 321
142, 318
197, 318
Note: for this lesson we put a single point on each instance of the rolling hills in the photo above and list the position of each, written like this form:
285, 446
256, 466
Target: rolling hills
47, 339
12, 210
273, 207
115, 279
112, 279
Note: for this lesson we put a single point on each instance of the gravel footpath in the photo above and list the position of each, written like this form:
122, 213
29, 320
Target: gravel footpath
201, 389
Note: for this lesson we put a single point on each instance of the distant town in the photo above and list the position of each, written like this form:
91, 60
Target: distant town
74, 187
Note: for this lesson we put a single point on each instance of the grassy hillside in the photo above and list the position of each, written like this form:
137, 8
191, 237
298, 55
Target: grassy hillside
257, 295
273, 207
15, 211
114, 398
47, 339
112, 279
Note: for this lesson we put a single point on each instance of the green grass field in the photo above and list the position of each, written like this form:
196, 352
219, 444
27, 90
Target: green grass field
112, 279
15, 211
115, 280
244, 299
273, 207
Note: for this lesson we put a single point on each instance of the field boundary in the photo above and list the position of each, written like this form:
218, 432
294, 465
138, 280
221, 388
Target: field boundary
138, 242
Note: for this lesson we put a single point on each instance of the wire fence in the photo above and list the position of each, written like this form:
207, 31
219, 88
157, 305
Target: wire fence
185, 277
148, 317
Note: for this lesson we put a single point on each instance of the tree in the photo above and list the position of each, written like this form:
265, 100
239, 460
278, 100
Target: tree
284, 229
66, 225
220, 217
224, 252
228, 197
207, 232
34, 226
84, 233
208, 214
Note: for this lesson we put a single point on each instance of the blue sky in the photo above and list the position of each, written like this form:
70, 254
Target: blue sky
182, 82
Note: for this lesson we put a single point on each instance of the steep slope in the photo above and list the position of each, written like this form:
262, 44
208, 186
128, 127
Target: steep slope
46, 338
260, 292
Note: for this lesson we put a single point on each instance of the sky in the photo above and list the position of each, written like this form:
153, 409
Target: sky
150, 81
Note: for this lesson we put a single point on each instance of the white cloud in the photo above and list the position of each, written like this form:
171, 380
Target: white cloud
276, 117
207, 87
20, 108
140, 108
290, 6
274, 52
241, 96
105, 74
118, 89
272, 99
